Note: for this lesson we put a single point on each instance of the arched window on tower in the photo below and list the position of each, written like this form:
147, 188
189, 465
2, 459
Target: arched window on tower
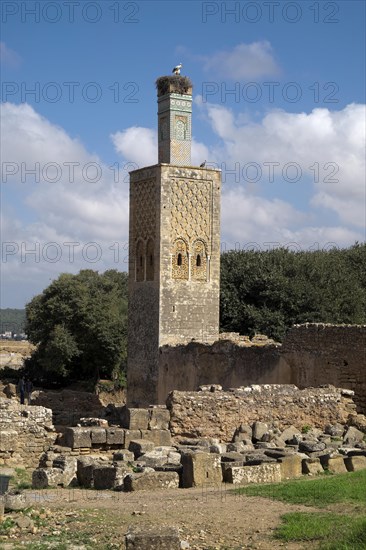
150, 250
140, 261
199, 261
180, 260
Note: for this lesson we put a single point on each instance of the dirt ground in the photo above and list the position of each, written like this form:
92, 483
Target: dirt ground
208, 519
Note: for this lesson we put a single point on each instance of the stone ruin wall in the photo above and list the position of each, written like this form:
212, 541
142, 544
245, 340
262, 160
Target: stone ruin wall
218, 414
226, 362
311, 355
25, 433
69, 406
328, 354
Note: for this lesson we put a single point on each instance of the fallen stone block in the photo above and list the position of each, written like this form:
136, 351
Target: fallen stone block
242, 433
77, 438
334, 464
225, 467
131, 435
14, 501
152, 537
115, 436
355, 463
200, 468
104, 477
121, 472
47, 477
98, 436
158, 437
140, 447
231, 457
260, 432
160, 456
256, 457
68, 466
308, 446
134, 419
278, 452
159, 418
353, 436
151, 481
291, 466
84, 472
239, 447
124, 456
311, 466
290, 434
218, 448
263, 473
334, 430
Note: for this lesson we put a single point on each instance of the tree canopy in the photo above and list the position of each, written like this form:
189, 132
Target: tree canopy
268, 292
79, 324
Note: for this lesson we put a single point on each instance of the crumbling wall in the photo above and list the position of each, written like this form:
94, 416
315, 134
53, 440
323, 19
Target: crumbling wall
226, 362
311, 355
218, 414
68, 406
328, 354
25, 433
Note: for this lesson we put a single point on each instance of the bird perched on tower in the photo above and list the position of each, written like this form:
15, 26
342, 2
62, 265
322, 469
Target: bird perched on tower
203, 164
177, 69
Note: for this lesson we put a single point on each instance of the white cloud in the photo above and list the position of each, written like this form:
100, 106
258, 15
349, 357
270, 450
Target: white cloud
8, 56
71, 210
327, 145
245, 61
138, 145
249, 221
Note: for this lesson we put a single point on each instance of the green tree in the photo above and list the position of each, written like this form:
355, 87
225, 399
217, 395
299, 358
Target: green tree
79, 324
270, 291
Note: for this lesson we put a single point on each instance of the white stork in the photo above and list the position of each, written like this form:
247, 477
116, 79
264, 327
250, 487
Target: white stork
177, 69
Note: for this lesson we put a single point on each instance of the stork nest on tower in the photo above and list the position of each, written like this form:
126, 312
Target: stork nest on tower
176, 83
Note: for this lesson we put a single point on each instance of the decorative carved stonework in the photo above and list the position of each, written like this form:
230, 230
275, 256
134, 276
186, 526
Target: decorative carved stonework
144, 208
191, 210
180, 260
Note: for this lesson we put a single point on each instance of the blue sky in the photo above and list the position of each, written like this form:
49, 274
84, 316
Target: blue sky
279, 93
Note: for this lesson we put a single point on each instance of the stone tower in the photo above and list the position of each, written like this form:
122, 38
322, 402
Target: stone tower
174, 248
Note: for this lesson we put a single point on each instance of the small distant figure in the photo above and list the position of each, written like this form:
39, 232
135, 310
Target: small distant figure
177, 69
203, 164
21, 390
28, 390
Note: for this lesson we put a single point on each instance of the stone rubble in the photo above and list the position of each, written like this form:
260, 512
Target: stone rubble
131, 458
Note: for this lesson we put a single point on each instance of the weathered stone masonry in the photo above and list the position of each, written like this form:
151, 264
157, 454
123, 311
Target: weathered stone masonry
218, 414
328, 354
25, 433
185, 368
311, 355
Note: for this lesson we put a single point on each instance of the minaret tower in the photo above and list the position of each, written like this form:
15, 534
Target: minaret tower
174, 248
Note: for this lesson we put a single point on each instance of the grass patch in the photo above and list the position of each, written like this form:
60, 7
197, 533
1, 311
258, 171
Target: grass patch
321, 492
21, 480
332, 531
